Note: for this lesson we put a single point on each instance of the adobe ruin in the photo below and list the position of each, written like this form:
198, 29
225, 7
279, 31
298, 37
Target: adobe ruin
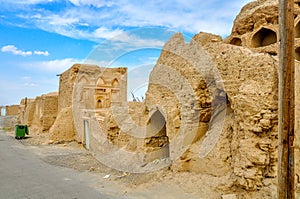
39, 113
12, 110
213, 112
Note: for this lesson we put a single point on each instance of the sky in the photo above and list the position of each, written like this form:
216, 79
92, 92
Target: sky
42, 38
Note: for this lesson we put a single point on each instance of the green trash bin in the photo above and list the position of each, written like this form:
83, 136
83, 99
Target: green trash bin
20, 131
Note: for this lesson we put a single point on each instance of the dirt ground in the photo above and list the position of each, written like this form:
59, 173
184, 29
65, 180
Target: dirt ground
165, 183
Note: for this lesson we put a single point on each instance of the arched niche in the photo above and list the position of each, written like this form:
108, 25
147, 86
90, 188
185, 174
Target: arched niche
263, 37
83, 80
297, 53
297, 30
100, 103
100, 82
115, 83
157, 140
236, 41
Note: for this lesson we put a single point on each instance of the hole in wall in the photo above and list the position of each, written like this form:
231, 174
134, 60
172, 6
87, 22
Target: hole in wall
297, 30
159, 140
264, 37
236, 41
297, 53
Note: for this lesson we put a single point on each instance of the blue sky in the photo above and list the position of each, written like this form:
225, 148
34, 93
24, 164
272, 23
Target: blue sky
42, 38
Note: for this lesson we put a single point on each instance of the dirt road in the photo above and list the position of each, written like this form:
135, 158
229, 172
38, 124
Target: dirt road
31, 168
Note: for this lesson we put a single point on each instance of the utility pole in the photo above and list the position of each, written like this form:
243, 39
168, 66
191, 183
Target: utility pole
286, 88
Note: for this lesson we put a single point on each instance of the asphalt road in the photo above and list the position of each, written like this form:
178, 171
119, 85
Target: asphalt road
24, 176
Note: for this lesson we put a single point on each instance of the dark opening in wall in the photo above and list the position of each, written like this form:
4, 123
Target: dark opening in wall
297, 53
99, 103
264, 37
236, 41
158, 141
297, 30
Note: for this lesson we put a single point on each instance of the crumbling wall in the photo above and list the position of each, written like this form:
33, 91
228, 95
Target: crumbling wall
8, 122
63, 127
166, 99
66, 83
187, 95
256, 27
27, 111
250, 80
12, 110
50, 108
138, 113
204, 38
87, 91
179, 71
45, 111
247, 147
244, 141
40, 112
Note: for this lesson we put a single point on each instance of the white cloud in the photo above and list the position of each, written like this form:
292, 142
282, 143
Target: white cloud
70, 24
14, 50
106, 33
45, 53
96, 3
28, 84
100, 63
137, 41
55, 66
57, 20
27, 2
191, 16
58, 65
91, 19
28, 81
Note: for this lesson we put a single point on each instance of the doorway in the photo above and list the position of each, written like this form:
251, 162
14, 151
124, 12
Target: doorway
3, 111
86, 134
158, 142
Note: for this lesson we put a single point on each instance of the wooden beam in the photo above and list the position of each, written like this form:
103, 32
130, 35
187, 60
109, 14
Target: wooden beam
286, 118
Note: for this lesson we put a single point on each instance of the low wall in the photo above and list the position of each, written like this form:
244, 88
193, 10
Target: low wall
8, 122
12, 110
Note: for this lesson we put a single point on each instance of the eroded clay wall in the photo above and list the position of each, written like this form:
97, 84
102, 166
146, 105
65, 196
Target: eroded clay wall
40, 112
246, 149
63, 125
8, 122
12, 110
93, 89
256, 27
49, 110
66, 83
250, 80
180, 71
38, 109
27, 111
138, 113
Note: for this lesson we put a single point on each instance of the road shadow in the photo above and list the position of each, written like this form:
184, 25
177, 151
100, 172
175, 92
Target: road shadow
23, 138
